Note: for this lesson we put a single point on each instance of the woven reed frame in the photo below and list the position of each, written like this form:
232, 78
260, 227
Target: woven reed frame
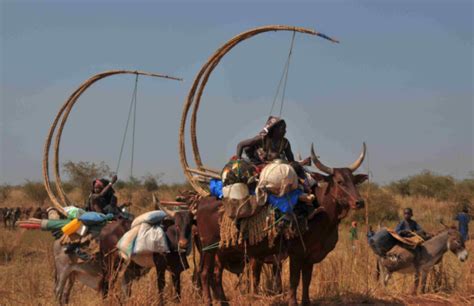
63, 114
195, 94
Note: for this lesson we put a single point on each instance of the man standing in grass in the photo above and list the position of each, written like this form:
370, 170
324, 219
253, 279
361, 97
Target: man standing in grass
463, 219
353, 235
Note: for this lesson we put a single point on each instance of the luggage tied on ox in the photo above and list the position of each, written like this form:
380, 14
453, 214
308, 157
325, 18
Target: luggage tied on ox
252, 207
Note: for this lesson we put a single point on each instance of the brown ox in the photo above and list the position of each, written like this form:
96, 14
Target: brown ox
178, 231
336, 196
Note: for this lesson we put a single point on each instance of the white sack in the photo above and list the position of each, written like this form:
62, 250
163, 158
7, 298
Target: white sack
277, 178
151, 239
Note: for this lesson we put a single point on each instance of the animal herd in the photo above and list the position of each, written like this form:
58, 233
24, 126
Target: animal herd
10, 215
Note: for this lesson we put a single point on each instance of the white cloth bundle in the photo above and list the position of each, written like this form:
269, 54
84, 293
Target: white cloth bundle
277, 178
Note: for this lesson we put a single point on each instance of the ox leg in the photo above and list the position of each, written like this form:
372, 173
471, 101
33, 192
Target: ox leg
307, 273
219, 289
424, 275
295, 270
177, 285
277, 284
131, 271
207, 266
256, 267
416, 282
160, 279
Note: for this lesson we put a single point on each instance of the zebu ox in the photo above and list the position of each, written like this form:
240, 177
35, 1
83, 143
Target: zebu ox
422, 259
178, 231
337, 195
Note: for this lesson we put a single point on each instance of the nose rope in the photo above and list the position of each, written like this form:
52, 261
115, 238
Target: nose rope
179, 249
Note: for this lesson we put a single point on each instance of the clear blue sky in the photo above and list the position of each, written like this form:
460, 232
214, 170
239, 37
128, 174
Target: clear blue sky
401, 79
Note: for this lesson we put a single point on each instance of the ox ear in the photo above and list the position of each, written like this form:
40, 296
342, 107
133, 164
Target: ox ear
167, 222
318, 176
360, 178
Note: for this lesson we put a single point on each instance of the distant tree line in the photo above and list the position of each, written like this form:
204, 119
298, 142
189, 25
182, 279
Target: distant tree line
80, 176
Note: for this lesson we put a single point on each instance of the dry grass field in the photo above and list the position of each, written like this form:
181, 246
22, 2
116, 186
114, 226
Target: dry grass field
345, 277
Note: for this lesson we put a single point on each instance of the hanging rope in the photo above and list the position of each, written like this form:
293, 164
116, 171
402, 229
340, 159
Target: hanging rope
131, 108
134, 124
283, 78
286, 74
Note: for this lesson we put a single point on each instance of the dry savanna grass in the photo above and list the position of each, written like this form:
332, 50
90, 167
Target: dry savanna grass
345, 277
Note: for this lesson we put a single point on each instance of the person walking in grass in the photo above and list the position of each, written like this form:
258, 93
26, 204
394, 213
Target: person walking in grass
353, 235
463, 219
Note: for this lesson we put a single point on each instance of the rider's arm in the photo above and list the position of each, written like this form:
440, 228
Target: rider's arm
400, 227
107, 188
289, 154
247, 143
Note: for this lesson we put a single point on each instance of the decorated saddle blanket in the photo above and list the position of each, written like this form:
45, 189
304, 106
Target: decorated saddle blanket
253, 229
411, 242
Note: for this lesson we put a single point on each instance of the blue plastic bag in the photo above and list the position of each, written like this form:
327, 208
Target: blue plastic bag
92, 218
285, 203
215, 187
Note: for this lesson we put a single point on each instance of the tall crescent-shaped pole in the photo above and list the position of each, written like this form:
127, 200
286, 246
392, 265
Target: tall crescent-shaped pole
199, 85
63, 114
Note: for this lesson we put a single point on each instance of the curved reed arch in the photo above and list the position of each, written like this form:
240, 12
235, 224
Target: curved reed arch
199, 85
64, 114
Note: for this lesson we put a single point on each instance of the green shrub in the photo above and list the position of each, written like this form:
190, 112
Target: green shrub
401, 187
463, 191
150, 182
5, 191
35, 191
82, 173
381, 204
428, 184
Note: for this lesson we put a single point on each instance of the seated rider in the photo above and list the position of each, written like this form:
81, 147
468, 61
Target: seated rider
102, 198
269, 144
408, 225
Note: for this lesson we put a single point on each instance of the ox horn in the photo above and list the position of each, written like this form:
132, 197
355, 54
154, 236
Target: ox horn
359, 161
166, 210
318, 164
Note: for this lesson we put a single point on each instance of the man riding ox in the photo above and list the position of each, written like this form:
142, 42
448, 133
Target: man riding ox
336, 194
270, 144
102, 198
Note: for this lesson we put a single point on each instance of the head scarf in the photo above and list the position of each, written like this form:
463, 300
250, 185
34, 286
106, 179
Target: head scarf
271, 122
98, 183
